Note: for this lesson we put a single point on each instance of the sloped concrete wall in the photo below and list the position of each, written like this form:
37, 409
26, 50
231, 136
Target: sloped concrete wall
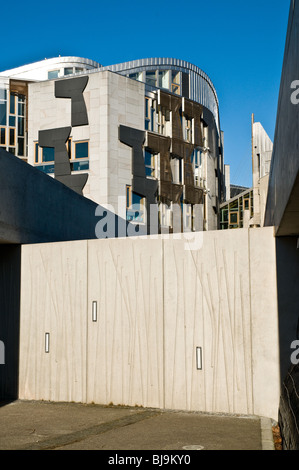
126, 317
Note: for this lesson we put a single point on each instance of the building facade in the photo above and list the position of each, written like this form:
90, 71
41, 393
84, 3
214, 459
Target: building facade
142, 138
246, 206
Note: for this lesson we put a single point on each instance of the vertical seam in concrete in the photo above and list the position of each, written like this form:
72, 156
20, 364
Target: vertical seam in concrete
250, 307
163, 313
87, 319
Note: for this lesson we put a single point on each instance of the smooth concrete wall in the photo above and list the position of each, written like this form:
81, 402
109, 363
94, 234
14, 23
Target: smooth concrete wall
157, 301
282, 210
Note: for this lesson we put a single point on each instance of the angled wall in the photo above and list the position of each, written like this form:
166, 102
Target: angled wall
35, 208
282, 210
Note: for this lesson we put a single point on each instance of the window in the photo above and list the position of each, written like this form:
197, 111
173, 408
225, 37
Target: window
3, 136
12, 136
234, 218
187, 129
81, 150
68, 71
78, 69
196, 159
246, 204
177, 171
150, 113
163, 79
53, 74
48, 154
149, 160
150, 78
175, 82
134, 206
12, 104
3, 106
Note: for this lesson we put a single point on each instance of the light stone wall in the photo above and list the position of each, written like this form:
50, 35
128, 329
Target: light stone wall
157, 300
111, 100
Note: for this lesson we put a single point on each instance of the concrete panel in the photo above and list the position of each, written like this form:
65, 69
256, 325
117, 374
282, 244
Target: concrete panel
54, 293
125, 344
35, 208
207, 305
264, 322
282, 209
157, 301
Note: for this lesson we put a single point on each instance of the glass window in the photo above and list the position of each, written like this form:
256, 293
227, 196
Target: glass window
12, 136
21, 146
36, 153
48, 154
175, 82
12, 105
53, 74
163, 79
2, 113
78, 69
150, 78
3, 94
21, 127
12, 121
68, 71
135, 206
149, 160
21, 109
81, 150
12, 150
2, 136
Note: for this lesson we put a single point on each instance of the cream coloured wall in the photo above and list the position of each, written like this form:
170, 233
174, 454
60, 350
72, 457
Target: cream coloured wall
157, 301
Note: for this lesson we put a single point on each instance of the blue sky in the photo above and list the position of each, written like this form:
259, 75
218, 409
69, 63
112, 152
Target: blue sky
240, 45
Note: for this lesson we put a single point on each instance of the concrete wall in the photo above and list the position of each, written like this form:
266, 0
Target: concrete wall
157, 301
35, 208
282, 209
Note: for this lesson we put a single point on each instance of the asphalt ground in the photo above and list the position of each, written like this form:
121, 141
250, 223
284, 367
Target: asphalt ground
26, 425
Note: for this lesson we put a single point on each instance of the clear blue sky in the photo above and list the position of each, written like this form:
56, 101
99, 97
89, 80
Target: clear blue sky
240, 45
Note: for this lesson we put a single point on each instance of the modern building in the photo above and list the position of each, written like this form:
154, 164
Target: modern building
246, 206
139, 136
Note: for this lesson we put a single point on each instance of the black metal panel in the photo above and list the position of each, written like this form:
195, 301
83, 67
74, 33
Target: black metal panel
73, 88
10, 279
57, 138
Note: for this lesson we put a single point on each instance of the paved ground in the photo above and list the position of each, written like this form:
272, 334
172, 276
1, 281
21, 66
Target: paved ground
69, 426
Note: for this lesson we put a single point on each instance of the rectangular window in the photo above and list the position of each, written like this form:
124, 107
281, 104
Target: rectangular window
176, 168
188, 129
21, 126
12, 104
81, 150
3, 94
2, 113
12, 136
36, 153
175, 82
233, 218
149, 160
2, 136
48, 154
68, 71
150, 78
134, 206
53, 74
12, 121
21, 146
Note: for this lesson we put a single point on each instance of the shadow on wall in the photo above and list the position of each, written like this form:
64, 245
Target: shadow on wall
288, 308
10, 278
